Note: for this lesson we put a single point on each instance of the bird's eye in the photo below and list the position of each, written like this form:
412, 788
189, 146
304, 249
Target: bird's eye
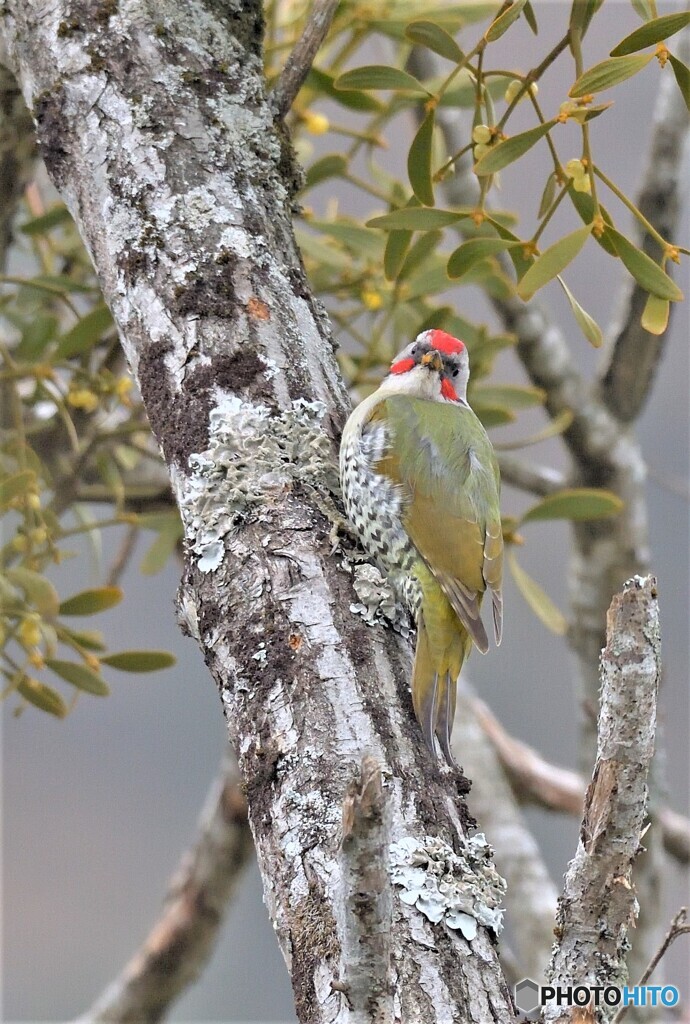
455, 373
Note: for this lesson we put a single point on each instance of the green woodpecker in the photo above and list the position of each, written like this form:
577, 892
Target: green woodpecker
421, 487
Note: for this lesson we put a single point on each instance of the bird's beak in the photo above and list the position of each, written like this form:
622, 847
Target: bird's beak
433, 360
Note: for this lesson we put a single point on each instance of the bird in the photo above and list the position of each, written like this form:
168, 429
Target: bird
421, 489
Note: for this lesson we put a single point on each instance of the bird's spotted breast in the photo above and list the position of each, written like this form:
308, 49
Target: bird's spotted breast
374, 506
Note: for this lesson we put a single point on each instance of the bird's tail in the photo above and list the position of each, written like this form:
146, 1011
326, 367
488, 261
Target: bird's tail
442, 646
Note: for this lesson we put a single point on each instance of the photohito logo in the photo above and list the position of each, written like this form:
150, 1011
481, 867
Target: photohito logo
529, 995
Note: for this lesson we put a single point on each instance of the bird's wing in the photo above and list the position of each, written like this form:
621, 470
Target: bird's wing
444, 461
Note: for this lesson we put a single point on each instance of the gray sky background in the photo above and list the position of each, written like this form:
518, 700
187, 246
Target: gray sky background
98, 808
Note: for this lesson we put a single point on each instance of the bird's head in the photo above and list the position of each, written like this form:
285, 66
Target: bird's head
434, 366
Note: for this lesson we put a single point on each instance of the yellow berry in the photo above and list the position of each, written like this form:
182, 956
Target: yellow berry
316, 124
123, 386
480, 150
20, 543
33, 501
516, 86
371, 299
583, 184
575, 168
481, 133
37, 660
38, 536
83, 398
29, 631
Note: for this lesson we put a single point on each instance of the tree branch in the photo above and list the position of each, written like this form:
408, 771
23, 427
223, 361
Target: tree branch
302, 57
534, 780
598, 904
527, 476
634, 353
182, 940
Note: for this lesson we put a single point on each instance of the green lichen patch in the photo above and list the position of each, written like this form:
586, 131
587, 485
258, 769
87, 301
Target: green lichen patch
254, 456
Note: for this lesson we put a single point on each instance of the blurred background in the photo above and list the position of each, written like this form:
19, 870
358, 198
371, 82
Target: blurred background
97, 808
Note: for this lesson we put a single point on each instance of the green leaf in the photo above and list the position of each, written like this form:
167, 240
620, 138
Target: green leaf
646, 272
41, 225
86, 333
434, 37
417, 218
42, 696
654, 31
582, 12
589, 327
521, 262
419, 253
608, 73
548, 195
552, 261
557, 425
643, 9
682, 73
419, 161
89, 602
397, 244
351, 234
63, 283
81, 676
333, 165
655, 314
506, 152
469, 253
510, 395
501, 24
12, 487
540, 603
576, 504
379, 76
163, 546
36, 335
89, 639
323, 83
39, 590
531, 18
584, 204
139, 661
492, 415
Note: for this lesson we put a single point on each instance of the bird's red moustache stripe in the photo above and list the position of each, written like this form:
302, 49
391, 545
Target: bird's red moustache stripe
402, 366
448, 391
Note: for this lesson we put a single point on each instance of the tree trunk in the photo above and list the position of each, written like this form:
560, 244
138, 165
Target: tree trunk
154, 126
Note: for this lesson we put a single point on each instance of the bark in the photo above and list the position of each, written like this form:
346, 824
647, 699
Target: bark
599, 904
156, 130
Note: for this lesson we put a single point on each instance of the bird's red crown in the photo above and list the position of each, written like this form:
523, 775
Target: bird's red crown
445, 342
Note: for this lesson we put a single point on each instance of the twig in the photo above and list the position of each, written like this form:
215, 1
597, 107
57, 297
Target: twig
123, 556
598, 905
532, 779
536, 781
528, 476
678, 927
182, 940
302, 57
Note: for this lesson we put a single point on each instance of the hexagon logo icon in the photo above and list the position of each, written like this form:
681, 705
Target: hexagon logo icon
527, 995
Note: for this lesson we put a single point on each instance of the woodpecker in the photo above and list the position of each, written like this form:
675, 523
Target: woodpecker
421, 488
